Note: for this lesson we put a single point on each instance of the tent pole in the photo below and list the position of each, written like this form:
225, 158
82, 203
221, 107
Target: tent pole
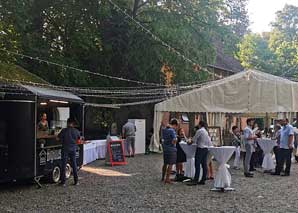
267, 122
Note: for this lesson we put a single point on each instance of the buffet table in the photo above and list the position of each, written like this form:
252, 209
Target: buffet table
223, 178
93, 150
267, 145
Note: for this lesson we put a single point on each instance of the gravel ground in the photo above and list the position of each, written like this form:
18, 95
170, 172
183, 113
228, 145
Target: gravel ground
137, 188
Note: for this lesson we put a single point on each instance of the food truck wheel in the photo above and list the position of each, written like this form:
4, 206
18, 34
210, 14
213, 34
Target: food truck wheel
55, 176
68, 171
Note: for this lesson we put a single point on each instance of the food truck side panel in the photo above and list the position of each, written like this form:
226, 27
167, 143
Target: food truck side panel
17, 139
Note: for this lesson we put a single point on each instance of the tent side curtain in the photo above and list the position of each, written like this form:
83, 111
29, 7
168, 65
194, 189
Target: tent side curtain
155, 144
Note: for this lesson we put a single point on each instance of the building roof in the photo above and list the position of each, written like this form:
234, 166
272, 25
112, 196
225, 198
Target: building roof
225, 62
14, 73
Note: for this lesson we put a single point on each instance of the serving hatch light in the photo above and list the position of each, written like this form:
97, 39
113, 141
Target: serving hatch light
61, 102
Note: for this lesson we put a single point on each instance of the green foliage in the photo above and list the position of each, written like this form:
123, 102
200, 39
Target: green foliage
275, 51
254, 53
8, 41
95, 36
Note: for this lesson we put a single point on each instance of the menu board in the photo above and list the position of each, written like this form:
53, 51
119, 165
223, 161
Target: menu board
116, 153
215, 135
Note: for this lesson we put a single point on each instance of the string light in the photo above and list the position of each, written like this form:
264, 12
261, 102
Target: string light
119, 91
77, 69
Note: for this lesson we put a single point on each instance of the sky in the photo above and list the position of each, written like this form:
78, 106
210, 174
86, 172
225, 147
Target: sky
262, 13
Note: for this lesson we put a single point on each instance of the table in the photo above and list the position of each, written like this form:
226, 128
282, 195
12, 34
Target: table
223, 177
189, 165
267, 145
93, 150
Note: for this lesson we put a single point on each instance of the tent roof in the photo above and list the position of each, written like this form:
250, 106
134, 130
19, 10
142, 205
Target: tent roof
245, 92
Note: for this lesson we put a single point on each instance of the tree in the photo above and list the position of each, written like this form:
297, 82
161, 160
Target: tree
97, 37
275, 51
284, 39
9, 38
235, 21
254, 53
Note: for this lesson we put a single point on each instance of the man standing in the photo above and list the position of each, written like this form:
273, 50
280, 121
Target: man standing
68, 137
202, 140
285, 148
277, 131
129, 133
236, 141
248, 139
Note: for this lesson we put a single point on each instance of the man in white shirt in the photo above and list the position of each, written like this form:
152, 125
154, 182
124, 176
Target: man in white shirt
202, 140
248, 139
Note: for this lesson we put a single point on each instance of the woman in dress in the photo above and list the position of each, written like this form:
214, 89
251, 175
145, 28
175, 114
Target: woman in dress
169, 149
181, 157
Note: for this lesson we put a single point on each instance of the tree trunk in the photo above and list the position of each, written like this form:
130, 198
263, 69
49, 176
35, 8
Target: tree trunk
135, 8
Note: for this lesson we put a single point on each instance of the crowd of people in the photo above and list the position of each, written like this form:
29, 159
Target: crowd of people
173, 154
245, 141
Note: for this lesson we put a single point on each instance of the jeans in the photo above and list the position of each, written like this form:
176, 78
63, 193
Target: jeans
72, 156
284, 155
276, 151
201, 159
247, 158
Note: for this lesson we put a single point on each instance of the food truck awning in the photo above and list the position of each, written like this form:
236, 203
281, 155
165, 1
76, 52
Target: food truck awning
48, 93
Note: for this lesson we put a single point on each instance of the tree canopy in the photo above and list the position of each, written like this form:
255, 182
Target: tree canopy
275, 51
96, 36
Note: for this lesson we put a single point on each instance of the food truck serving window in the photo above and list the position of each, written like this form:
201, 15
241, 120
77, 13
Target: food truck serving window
52, 117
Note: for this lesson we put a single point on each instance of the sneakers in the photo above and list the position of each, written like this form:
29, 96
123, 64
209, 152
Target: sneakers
249, 175
202, 182
274, 173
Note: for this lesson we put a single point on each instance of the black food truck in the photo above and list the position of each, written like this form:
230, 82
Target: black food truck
26, 152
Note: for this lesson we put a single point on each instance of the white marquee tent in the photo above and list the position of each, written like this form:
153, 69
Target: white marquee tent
245, 92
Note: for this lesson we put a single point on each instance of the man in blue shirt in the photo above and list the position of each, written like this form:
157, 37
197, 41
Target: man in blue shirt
68, 137
169, 149
286, 148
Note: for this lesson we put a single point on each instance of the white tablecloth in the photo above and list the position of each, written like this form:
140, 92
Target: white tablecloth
222, 155
267, 146
93, 150
189, 165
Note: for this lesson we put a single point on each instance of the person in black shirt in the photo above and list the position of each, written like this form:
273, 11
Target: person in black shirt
68, 137
181, 157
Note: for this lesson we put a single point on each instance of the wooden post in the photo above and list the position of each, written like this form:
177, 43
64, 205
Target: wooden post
191, 117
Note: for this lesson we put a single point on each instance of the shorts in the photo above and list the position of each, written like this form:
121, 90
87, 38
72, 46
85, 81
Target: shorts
170, 158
